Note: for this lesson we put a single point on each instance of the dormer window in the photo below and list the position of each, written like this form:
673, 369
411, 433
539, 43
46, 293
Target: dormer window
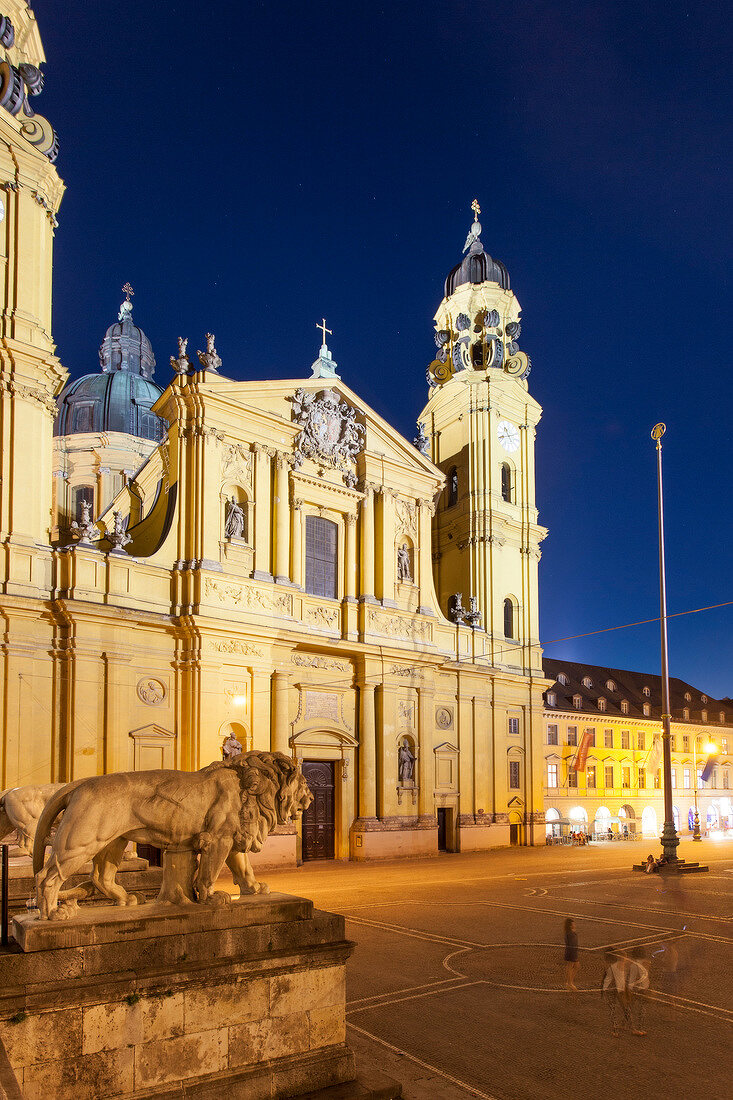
610, 686
703, 698
601, 703
647, 691
647, 710
562, 679
624, 706
686, 714
587, 682
703, 716
551, 699
577, 701
721, 716
688, 697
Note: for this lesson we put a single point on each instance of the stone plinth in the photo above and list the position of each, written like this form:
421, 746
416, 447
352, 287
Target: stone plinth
244, 1000
135, 875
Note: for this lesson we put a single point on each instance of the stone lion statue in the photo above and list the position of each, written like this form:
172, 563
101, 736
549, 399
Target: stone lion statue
222, 812
20, 809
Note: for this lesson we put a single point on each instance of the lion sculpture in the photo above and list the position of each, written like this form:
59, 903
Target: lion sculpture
20, 809
223, 812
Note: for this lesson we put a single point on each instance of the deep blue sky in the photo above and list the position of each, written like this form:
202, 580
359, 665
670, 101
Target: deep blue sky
250, 167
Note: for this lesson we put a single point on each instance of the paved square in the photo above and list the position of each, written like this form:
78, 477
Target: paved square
456, 986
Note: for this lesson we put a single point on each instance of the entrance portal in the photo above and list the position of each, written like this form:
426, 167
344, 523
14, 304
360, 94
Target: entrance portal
319, 830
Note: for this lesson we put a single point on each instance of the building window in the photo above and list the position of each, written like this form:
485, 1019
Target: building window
704, 716
83, 418
686, 779
703, 698
608, 739
642, 779
685, 742
686, 713
572, 777
452, 487
572, 735
587, 682
610, 686
674, 777
601, 703
672, 743
714, 781
509, 624
514, 775
552, 735
551, 699
591, 738
699, 778
726, 779
321, 554
608, 773
721, 716
658, 779
577, 702
647, 710
688, 697
640, 741
625, 739
82, 494
626, 777
552, 775
647, 692
506, 482
624, 706
562, 679
724, 744
513, 724
590, 776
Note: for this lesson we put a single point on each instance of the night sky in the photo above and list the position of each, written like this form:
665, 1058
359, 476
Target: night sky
252, 167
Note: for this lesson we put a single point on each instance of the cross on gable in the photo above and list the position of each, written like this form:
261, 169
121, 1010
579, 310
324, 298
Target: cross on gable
325, 330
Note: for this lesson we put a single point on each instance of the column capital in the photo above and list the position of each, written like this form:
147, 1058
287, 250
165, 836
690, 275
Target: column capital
350, 519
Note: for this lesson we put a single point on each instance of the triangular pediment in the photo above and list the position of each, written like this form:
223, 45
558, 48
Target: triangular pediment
152, 732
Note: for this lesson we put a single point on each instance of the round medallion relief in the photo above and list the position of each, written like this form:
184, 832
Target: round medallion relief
151, 692
443, 718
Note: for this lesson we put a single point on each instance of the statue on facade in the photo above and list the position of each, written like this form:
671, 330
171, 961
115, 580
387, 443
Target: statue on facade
118, 536
405, 763
209, 359
421, 441
85, 530
181, 364
473, 617
234, 525
456, 610
222, 813
404, 566
230, 748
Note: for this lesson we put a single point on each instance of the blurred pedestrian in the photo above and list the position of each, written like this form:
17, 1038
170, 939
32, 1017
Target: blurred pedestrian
614, 988
571, 954
638, 986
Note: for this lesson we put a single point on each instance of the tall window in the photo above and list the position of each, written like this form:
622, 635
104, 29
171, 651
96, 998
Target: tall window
592, 738
514, 775
83, 494
640, 740
552, 735
509, 618
685, 742
608, 739
686, 779
726, 779
82, 419
658, 779
608, 773
552, 775
572, 777
513, 725
624, 739
506, 482
642, 779
572, 735
590, 776
453, 487
626, 777
321, 556
624, 706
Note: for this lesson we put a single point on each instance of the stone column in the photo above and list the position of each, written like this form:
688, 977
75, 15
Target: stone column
367, 753
116, 724
367, 545
425, 805
263, 504
280, 713
282, 520
350, 558
386, 565
424, 565
297, 543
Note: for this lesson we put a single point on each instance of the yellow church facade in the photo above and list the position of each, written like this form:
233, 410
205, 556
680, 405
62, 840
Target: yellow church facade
270, 564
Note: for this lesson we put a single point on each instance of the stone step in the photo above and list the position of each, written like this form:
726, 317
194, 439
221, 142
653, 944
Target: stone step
369, 1085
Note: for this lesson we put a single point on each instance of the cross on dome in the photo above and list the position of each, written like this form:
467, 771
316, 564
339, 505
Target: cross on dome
127, 291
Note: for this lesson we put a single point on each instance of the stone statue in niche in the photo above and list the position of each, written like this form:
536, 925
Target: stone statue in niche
404, 566
86, 530
230, 748
405, 763
234, 525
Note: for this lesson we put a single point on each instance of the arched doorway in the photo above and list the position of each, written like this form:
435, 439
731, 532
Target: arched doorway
578, 816
319, 820
627, 820
712, 817
552, 817
649, 821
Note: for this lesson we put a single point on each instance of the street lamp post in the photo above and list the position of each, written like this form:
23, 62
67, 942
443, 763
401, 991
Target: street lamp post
669, 837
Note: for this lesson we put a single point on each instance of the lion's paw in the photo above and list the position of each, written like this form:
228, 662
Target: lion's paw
131, 899
65, 911
218, 899
262, 888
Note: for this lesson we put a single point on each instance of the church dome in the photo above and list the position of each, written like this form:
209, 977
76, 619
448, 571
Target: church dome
476, 266
120, 398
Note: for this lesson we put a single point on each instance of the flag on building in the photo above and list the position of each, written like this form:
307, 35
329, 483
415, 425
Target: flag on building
710, 763
582, 754
654, 757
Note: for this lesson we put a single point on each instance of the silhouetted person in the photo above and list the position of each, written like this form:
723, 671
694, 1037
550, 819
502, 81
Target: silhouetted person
571, 954
614, 988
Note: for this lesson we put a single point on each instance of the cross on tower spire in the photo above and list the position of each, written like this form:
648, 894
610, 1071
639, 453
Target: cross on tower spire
325, 330
127, 291
476, 209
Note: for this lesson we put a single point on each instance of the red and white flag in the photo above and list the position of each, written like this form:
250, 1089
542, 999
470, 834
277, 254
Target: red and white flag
654, 758
582, 754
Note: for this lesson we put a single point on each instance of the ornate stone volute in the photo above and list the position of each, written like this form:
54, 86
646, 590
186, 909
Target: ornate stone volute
19, 79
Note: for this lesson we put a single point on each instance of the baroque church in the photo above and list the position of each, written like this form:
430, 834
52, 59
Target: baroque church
192, 562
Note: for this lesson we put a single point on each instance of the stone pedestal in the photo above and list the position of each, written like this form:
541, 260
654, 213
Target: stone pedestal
134, 874
244, 1000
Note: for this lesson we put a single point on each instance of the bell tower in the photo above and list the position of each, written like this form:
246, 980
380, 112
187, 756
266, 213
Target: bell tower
479, 424
30, 373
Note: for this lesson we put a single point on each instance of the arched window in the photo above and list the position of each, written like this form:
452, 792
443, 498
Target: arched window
452, 487
506, 482
562, 679
587, 682
321, 557
509, 624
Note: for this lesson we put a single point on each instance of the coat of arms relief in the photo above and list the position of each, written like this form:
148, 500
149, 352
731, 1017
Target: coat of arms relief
330, 434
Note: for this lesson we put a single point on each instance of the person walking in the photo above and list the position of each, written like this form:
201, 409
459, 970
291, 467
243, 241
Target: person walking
638, 985
571, 954
614, 988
